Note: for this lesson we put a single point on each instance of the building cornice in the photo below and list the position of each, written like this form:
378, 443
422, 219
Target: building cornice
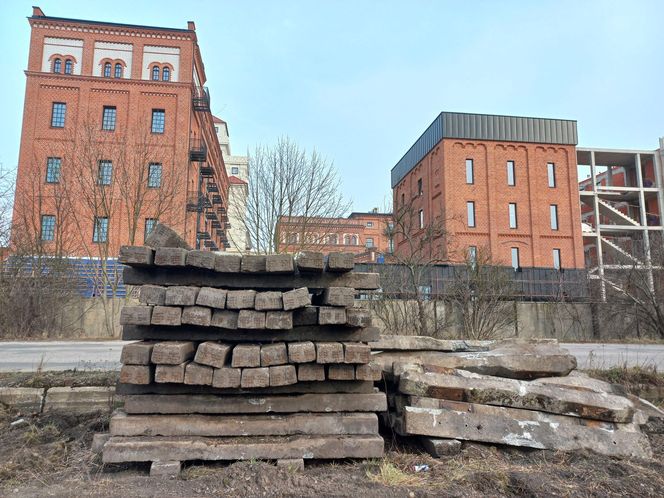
82, 26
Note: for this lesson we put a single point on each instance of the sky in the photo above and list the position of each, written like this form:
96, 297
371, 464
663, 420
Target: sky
360, 80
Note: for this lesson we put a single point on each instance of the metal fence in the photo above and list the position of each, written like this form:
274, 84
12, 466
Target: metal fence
526, 284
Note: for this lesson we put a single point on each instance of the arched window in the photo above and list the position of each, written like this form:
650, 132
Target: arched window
166, 74
118, 70
346, 240
155, 73
353, 240
69, 65
107, 70
57, 65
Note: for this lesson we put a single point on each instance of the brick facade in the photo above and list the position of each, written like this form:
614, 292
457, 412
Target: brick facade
445, 193
75, 195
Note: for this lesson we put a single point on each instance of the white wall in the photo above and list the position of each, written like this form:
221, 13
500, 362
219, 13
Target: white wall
170, 55
62, 46
107, 50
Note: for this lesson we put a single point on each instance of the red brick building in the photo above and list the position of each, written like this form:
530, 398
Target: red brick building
364, 234
503, 184
117, 133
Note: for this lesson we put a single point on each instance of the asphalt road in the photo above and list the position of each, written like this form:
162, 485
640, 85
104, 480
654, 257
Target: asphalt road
105, 355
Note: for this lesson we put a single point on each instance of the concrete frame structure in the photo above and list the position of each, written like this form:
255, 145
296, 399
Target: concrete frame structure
617, 213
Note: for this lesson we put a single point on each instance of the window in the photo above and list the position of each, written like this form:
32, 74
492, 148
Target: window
421, 218
58, 114
553, 209
53, 169
235, 170
403, 199
154, 175
216, 129
118, 70
354, 240
369, 224
511, 177
369, 242
470, 210
470, 174
512, 211
69, 65
100, 230
332, 239
155, 73
472, 255
419, 187
108, 118
291, 238
57, 65
556, 259
390, 246
107, 70
515, 257
47, 227
551, 171
346, 240
105, 173
166, 74
158, 120
149, 226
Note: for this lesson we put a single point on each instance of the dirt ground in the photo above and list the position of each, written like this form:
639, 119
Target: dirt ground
50, 456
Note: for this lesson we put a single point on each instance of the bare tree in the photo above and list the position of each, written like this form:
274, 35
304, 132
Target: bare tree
636, 291
6, 200
481, 295
288, 186
419, 246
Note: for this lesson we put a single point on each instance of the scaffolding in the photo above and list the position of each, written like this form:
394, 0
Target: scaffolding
622, 209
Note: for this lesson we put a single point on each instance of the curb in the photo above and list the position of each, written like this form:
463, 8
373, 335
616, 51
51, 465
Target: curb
28, 400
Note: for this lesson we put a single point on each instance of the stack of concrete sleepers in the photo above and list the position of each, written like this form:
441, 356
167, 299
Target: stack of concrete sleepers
513, 393
244, 357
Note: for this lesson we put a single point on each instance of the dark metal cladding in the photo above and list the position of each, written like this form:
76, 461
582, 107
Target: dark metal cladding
485, 127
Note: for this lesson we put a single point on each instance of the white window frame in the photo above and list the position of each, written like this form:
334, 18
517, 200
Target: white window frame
470, 214
421, 218
551, 174
514, 252
557, 259
470, 172
511, 174
553, 213
513, 218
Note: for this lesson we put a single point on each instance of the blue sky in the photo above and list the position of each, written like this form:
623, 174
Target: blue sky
360, 80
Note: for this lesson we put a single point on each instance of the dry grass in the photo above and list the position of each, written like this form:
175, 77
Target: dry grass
66, 378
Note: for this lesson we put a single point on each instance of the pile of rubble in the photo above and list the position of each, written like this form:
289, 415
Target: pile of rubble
243, 357
513, 393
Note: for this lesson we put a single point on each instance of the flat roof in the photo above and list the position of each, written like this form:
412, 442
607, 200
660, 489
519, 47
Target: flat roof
115, 24
484, 127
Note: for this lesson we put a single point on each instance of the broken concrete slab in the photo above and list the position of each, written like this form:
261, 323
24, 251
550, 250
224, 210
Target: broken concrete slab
149, 449
263, 403
517, 427
458, 385
244, 425
79, 399
166, 469
515, 361
24, 399
424, 343
438, 448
